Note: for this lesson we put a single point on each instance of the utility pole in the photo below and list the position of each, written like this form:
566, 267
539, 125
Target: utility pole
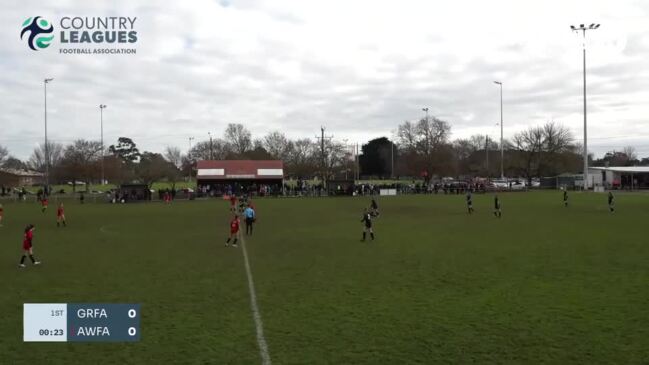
323, 156
211, 153
189, 157
486, 148
101, 113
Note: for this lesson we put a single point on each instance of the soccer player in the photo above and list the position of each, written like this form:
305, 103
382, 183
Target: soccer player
469, 201
44, 203
497, 211
60, 216
249, 213
234, 232
367, 220
2, 212
374, 208
565, 198
233, 203
611, 202
27, 246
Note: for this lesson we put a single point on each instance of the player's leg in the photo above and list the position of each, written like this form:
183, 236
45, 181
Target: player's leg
63, 219
371, 233
22, 258
364, 233
31, 257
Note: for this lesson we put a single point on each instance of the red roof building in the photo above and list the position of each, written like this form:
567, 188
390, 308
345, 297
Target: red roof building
249, 170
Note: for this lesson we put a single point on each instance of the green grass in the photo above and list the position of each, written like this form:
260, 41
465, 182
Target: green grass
544, 284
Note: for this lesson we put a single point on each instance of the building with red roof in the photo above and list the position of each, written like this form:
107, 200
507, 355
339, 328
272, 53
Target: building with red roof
219, 177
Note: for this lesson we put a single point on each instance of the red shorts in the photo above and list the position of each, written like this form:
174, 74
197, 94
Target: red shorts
232, 231
27, 245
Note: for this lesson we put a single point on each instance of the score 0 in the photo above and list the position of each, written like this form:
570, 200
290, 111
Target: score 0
132, 313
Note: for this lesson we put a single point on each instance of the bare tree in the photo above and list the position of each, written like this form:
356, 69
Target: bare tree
4, 154
277, 145
37, 159
173, 155
302, 157
80, 162
408, 135
239, 138
630, 153
205, 150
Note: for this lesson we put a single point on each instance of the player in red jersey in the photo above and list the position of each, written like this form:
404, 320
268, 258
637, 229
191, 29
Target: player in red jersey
27, 246
44, 203
234, 232
233, 203
60, 216
2, 213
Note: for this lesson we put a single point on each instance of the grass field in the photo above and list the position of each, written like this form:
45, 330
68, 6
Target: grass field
544, 284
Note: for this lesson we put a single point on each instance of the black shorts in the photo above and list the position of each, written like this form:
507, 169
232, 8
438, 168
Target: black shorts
249, 221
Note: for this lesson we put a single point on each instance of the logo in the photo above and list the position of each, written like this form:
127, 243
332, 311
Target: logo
38, 29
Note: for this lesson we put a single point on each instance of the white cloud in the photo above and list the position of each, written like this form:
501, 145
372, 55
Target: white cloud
358, 67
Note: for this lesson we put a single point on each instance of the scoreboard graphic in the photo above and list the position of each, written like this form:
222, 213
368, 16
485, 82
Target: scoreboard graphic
86, 322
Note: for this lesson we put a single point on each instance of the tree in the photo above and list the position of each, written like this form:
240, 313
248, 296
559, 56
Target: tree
80, 162
277, 145
630, 153
302, 158
627, 157
334, 157
546, 150
173, 155
376, 157
12, 162
408, 135
37, 160
126, 150
239, 138
153, 167
427, 145
204, 150
4, 154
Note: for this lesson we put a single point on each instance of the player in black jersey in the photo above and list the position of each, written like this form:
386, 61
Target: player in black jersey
565, 198
611, 202
374, 208
497, 209
367, 221
469, 201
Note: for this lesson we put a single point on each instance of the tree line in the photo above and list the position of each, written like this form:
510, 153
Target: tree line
422, 148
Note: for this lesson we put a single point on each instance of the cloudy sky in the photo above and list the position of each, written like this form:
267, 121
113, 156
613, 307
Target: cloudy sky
357, 67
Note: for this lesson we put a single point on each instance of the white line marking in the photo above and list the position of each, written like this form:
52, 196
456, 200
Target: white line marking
261, 340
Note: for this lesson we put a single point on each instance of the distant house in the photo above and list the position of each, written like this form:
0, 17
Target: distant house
16, 178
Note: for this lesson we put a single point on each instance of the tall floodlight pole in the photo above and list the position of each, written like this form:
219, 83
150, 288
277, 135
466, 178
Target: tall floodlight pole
189, 157
583, 28
47, 149
101, 117
502, 146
